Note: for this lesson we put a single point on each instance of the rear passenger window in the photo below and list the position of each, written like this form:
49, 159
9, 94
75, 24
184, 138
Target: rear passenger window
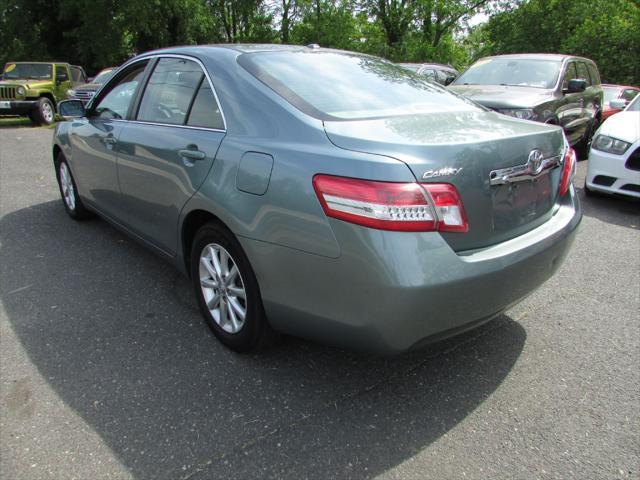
569, 74
595, 76
583, 73
169, 92
205, 111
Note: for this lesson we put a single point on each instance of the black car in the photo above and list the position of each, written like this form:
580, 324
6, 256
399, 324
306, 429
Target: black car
557, 89
435, 72
86, 91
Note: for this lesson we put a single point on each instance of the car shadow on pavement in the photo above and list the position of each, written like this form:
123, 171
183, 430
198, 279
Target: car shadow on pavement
117, 335
616, 210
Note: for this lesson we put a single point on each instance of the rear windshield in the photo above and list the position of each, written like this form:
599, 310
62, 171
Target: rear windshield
343, 86
513, 72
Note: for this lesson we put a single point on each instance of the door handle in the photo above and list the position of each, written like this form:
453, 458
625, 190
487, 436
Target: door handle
192, 154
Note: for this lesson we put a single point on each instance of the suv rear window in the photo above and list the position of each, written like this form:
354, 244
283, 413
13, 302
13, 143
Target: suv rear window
342, 86
583, 73
593, 73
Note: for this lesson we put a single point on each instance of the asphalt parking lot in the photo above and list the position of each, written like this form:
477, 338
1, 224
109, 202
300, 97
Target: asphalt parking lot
107, 371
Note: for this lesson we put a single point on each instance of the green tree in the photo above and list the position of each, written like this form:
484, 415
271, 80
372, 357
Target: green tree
607, 31
327, 24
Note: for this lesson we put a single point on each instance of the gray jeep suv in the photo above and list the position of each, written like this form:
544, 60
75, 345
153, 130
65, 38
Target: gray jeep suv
556, 89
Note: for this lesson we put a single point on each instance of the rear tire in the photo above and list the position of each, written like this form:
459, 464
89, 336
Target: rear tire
227, 290
44, 113
69, 191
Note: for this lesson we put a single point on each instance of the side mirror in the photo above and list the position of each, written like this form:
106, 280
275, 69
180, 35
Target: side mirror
618, 103
576, 85
71, 109
449, 80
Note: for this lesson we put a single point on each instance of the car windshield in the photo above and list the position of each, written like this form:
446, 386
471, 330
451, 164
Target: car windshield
610, 93
513, 72
102, 77
26, 71
634, 106
333, 85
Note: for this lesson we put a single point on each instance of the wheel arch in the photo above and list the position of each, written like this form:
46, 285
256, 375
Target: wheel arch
57, 150
190, 226
50, 96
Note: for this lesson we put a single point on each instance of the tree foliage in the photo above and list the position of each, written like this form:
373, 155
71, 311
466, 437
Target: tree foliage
607, 31
99, 33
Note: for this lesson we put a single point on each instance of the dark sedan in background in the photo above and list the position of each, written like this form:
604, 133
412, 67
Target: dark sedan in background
86, 91
556, 89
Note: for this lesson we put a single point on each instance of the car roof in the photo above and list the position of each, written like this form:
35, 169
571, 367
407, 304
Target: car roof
240, 48
611, 85
559, 57
45, 63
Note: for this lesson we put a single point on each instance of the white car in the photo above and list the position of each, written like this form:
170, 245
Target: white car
614, 158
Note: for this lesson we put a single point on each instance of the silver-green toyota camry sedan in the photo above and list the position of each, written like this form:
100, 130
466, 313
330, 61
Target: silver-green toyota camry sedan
321, 193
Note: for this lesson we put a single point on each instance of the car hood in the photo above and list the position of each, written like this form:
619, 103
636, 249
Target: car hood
90, 87
623, 126
503, 96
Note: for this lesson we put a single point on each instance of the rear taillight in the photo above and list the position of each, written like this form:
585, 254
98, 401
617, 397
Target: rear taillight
568, 170
448, 204
390, 205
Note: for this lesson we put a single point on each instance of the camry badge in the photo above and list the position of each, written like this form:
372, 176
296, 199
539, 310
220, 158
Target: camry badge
441, 172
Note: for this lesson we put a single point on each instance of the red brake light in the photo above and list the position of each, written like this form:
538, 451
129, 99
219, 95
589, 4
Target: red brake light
568, 170
390, 205
451, 214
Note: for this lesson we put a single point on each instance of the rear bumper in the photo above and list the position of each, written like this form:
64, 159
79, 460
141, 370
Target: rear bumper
391, 291
603, 164
17, 107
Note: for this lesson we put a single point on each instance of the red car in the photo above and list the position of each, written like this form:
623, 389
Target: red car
617, 92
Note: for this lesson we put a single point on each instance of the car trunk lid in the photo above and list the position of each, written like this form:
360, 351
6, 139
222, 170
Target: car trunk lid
464, 148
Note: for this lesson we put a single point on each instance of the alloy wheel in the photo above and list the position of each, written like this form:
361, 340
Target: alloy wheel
47, 112
68, 192
222, 288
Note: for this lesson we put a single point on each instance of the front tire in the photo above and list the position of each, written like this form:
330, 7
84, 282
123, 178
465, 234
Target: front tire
69, 191
227, 290
44, 113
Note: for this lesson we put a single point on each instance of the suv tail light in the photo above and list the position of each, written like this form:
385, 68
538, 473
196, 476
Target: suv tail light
392, 206
568, 170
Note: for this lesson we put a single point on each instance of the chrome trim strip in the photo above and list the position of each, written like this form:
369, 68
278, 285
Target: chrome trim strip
174, 125
526, 171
